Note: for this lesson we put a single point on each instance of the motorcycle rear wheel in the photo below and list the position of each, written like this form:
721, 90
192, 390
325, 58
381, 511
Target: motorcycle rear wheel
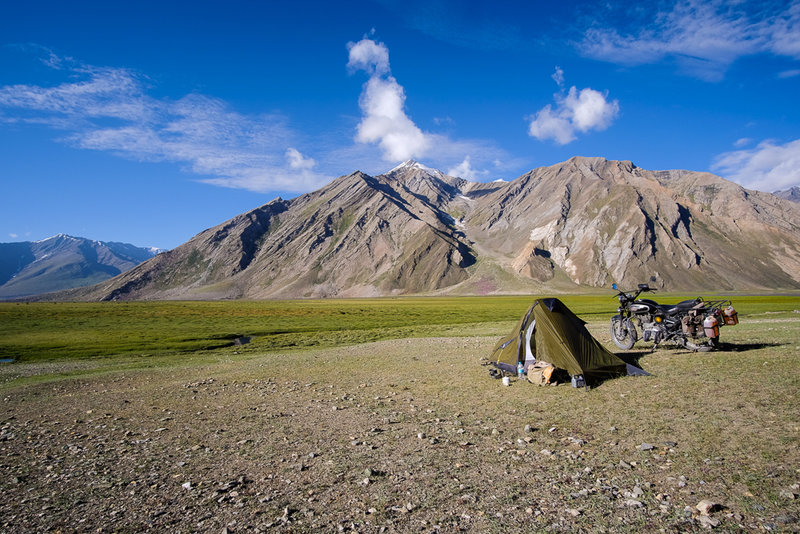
623, 333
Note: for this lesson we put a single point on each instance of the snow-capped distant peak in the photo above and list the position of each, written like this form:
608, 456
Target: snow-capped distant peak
57, 236
411, 164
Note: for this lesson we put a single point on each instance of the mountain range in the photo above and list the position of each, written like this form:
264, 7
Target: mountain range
580, 224
63, 262
793, 194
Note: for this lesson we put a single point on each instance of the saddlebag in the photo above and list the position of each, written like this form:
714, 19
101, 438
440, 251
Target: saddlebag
730, 316
692, 323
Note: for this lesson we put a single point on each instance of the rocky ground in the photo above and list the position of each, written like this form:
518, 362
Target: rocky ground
396, 436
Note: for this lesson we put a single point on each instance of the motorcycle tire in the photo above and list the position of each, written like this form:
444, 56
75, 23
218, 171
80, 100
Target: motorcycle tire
623, 333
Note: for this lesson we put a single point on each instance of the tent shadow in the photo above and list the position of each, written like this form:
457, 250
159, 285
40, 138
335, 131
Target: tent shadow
632, 358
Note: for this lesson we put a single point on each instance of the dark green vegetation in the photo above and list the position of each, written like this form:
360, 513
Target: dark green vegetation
54, 331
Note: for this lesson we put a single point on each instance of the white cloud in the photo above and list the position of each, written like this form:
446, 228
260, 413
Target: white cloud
557, 126
13, 235
109, 109
297, 160
767, 167
703, 37
382, 102
369, 56
465, 170
558, 76
578, 111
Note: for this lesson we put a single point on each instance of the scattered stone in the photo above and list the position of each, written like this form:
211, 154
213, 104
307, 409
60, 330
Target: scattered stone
646, 447
574, 512
708, 522
625, 465
528, 428
706, 507
633, 503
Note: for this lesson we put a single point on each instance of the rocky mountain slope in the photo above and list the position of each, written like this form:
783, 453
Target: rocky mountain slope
793, 194
584, 222
63, 262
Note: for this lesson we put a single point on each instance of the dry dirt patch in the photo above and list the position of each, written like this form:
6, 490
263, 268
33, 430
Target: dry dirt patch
399, 436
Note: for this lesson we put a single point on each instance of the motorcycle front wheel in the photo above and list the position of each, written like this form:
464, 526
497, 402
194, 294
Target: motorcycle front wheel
623, 333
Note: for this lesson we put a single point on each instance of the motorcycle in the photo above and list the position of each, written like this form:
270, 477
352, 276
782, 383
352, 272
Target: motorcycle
693, 324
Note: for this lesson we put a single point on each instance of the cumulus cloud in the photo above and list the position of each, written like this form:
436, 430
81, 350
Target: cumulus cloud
297, 160
109, 109
767, 167
703, 37
369, 56
382, 103
465, 170
577, 111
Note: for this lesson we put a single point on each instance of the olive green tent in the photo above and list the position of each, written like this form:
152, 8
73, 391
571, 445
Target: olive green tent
551, 333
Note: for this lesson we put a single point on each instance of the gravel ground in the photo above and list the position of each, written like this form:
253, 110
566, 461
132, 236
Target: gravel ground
396, 436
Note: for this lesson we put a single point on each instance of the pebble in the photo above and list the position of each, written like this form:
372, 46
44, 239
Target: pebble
646, 447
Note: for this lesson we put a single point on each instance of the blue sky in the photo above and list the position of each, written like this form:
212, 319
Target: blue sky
147, 122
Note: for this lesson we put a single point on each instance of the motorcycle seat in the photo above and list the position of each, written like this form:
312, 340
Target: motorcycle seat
683, 306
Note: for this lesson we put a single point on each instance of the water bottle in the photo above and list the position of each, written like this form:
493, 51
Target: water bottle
520, 371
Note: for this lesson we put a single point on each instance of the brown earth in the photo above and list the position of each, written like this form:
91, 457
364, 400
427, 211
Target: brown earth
400, 436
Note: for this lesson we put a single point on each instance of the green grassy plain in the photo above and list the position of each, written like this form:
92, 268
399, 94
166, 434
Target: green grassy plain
58, 331
377, 415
